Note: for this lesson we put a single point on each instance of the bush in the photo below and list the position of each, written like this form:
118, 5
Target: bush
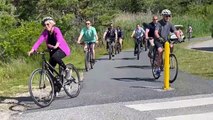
20, 40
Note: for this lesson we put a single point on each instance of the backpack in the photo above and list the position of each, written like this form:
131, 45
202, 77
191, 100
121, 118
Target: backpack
111, 33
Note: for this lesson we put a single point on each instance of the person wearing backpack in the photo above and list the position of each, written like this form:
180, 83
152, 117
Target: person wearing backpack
110, 35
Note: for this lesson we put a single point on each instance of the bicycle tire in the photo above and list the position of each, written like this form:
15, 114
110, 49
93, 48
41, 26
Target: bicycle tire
40, 100
87, 61
119, 48
154, 64
73, 83
110, 51
138, 52
173, 68
91, 61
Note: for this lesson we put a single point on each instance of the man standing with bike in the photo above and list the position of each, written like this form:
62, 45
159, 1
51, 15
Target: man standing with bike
110, 35
89, 35
162, 31
137, 34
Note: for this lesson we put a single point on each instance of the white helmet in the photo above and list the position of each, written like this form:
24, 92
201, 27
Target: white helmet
46, 19
166, 12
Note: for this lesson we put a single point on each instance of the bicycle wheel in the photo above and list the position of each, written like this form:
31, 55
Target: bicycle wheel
41, 88
145, 45
91, 61
110, 51
154, 64
138, 51
72, 85
119, 47
87, 61
173, 68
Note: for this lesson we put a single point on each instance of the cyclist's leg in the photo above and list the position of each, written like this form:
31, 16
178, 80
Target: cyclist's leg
58, 56
136, 46
55, 58
93, 51
171, 47
113, 46
120, 41
151, 46
160, 53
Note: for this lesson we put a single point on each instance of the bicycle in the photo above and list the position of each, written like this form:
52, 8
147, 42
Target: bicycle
42, 82
111, 48
89, 62
172, 62
138, 46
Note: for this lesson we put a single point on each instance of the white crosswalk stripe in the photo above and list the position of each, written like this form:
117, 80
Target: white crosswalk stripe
203, 116
172, 104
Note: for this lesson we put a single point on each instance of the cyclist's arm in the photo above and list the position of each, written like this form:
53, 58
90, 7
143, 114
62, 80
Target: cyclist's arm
157, 33
133, 33
146, 33
96, 35
40, 40
80, 36
104, 34
116, 35
143, 32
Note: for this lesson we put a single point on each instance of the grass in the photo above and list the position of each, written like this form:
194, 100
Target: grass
194, 62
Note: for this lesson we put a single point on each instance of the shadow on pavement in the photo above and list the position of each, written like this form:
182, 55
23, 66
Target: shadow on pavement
136, 79
133, 58
18, 104
135, 66
204, 48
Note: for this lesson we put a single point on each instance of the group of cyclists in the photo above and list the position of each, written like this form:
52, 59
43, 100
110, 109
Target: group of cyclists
156, 33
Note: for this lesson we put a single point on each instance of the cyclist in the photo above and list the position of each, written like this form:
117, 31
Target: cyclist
110, 35
137, 34
150, 34
162, 31
189, 31
120, 35
56, 44
89, 35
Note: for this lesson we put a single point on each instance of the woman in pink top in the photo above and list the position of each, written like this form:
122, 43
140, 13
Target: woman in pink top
55, 43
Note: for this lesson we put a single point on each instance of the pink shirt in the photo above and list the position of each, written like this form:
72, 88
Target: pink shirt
59, 37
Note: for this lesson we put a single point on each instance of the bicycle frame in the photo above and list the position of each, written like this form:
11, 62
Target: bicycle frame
47, 66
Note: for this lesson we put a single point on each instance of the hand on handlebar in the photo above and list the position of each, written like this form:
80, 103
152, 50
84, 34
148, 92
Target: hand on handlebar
78, 42
160, 39
30, 52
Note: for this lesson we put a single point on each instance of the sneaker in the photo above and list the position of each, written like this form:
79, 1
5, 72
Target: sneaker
113, 55
158, 71
135, 53
93, 61
150, 55
68, 73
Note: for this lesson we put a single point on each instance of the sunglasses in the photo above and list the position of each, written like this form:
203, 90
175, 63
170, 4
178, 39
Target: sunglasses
46, 24
168, 16
87, 23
